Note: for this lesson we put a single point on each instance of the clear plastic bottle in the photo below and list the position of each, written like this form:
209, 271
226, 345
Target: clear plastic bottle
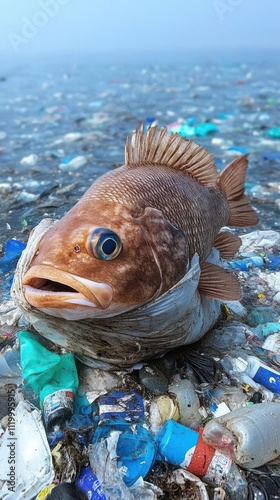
250, 435
187, 401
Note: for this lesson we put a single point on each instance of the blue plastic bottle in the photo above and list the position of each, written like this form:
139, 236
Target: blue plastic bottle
88, 483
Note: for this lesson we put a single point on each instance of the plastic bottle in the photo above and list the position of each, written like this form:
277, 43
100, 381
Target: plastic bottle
247, 264
88, 483
180, 445
161, 409
187, 401
260, 372
53, 377
267, 261
250, 434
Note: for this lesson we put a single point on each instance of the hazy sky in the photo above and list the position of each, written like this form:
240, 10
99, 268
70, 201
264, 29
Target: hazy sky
55, 26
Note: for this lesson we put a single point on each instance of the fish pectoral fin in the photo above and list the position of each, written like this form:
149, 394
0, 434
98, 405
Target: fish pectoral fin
217, 283
227, 244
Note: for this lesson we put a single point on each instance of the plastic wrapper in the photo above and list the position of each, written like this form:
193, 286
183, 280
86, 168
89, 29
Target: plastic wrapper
33, 468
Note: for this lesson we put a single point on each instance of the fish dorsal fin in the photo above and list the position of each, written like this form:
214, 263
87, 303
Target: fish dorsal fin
227, 244
159, 147
217, 283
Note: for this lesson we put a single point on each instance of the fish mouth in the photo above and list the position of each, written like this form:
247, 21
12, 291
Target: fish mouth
46, 287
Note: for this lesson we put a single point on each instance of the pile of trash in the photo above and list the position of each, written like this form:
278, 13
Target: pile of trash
201, 422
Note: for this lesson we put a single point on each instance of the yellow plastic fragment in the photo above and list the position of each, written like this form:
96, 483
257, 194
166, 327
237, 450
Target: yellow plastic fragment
45, 492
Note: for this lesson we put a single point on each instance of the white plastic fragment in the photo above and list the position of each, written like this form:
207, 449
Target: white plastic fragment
29, 447
75, 163
272, 343
259, 239
272, 279
276, 297
72, 137
95, 382
9, 313
29, 161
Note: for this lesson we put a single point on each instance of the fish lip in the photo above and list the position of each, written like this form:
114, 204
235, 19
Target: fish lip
83, 292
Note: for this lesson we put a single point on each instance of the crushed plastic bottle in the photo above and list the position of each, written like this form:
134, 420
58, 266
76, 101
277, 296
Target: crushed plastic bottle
250, 435
53, 377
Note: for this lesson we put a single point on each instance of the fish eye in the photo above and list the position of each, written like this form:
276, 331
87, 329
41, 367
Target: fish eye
104, 244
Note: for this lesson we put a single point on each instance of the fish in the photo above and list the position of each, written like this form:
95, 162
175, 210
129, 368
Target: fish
134, 234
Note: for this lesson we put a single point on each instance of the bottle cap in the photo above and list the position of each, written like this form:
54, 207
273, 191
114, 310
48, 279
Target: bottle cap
58, 407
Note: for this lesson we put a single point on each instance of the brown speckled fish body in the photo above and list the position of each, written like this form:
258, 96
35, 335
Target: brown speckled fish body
165, 204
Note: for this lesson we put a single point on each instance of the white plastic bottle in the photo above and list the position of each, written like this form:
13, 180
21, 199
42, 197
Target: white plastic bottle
250, 435
260, 372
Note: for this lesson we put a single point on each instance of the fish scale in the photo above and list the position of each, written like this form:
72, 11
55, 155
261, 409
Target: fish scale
183, 201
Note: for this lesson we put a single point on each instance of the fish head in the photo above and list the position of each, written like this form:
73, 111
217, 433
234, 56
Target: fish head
103, 262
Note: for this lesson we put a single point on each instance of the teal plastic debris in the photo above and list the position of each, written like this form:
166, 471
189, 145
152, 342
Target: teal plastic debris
186, 130
274, 132
261, 315
205, 128
267, 329
239, 149
53, 377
